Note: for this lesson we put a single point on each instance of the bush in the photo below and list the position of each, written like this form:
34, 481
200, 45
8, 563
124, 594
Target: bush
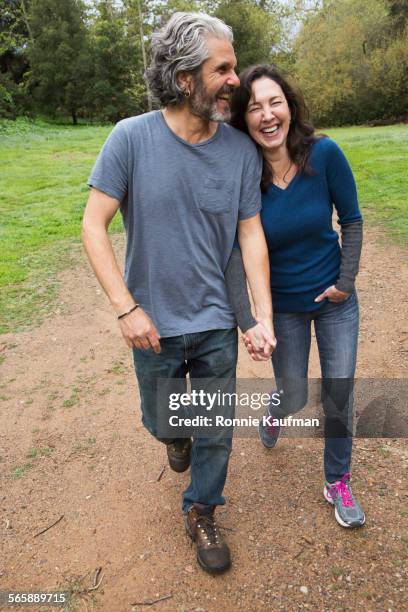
8, 106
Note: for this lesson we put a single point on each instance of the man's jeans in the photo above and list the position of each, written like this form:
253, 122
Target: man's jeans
211, 355
336, 328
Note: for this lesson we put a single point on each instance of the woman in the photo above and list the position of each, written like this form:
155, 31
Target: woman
312, 279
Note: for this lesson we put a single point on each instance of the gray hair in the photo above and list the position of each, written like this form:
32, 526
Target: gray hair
180, 46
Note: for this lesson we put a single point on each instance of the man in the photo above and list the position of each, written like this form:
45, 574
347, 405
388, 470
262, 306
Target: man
182, 180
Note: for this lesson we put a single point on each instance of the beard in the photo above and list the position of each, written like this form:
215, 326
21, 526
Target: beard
204, 105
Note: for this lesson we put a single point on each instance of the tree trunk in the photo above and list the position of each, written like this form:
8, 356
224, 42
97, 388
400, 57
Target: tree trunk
26, 21
74, 118
149, 97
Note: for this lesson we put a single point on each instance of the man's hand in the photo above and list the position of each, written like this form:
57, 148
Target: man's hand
260, 341
333, 295
139, 331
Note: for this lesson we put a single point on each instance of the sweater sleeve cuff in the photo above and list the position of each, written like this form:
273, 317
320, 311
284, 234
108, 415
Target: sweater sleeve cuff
344, 284
245, 320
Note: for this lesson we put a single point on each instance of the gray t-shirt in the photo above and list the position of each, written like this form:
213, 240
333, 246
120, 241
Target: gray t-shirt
180, 204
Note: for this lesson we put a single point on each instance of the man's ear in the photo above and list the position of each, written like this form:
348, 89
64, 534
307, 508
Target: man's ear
185, 81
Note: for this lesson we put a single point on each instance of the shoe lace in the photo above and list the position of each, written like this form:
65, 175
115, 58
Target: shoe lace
342, 487
209, 528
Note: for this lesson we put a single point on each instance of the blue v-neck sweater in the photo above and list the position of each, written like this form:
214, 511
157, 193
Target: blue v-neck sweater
304, 250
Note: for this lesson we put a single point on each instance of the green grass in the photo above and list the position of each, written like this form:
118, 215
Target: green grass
19, 470
378, 157
43, 192
34, 453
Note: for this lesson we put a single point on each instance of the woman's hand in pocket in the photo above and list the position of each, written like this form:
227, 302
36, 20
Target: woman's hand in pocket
333, 295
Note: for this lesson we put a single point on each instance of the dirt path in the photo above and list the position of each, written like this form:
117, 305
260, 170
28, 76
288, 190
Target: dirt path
71, 444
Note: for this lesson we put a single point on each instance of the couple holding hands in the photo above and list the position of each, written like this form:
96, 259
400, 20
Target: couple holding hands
228, 183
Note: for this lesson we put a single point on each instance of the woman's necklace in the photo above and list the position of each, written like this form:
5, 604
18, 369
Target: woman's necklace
279, 180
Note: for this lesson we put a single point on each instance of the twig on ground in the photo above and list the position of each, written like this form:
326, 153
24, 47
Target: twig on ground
96, 584
301, 551
97, 574
296, 502
49, 527
152, 602
161, 474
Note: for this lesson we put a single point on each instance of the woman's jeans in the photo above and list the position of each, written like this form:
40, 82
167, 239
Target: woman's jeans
211, 355
336, 328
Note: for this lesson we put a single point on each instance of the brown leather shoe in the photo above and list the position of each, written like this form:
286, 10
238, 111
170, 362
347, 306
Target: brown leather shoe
179, 454
213, 553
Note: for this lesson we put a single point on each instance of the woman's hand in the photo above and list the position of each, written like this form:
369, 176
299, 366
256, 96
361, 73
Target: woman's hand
333, 295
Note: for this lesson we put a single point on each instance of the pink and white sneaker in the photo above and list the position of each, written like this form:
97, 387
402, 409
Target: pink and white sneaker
347, 510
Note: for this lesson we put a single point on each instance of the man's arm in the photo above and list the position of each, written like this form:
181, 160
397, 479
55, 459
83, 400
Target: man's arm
254, 251
137, 328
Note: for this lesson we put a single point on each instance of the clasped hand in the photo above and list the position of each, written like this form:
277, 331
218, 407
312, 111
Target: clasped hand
260, 341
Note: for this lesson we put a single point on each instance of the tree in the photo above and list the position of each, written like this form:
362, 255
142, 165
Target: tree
255, 30
140, 20
398, 11
339, 51
59, 56
14, 36
388, 75
113, 90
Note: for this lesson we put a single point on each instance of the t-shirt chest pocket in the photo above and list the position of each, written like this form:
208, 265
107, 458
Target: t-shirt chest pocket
215, 195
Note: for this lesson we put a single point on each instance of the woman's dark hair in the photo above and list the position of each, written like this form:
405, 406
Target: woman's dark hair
301, 133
